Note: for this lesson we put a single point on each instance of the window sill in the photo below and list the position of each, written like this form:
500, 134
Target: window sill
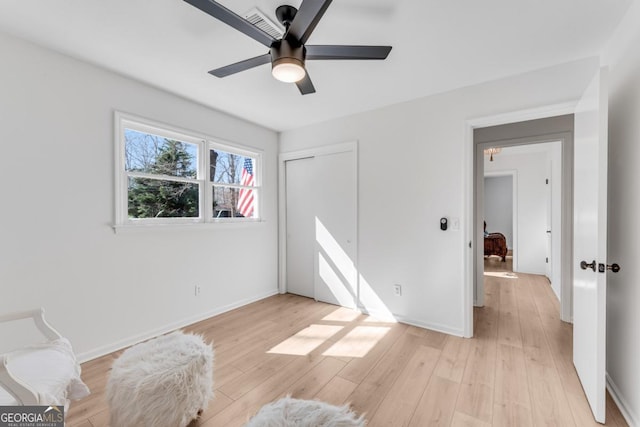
196, 226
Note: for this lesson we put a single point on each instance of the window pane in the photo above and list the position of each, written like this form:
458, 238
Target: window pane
158, 155
227, 168
233, 202
154, 198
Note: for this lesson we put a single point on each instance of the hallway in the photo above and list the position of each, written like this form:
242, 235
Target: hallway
532, 348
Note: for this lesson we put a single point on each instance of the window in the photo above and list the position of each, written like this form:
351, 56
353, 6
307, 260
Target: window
233, 184
165, 176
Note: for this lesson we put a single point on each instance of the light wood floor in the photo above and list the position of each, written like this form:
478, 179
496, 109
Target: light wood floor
517, 371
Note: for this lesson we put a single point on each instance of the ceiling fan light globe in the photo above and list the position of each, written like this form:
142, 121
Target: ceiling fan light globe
288, 72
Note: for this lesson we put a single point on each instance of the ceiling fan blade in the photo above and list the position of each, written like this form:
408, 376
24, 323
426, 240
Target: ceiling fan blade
241, 66
305, 85
347, 52
223, 14
306, 19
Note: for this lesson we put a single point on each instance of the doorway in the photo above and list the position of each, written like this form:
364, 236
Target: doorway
522, 136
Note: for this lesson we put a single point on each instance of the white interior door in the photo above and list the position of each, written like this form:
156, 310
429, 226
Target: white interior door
321, 227
590, 242
300, 226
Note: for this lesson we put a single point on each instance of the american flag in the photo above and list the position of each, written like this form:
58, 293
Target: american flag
245, 196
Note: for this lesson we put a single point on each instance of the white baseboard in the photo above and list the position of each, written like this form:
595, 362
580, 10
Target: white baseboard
129, 341
385, 316
432, 326
630, 417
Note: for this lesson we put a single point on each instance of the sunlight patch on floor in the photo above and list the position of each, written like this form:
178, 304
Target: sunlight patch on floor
342, 314
307, 340
358, 342
502, 274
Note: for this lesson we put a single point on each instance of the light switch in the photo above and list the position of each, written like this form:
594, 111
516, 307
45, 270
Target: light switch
455, 223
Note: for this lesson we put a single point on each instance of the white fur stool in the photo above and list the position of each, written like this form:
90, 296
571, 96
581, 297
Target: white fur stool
289, 412
164, 382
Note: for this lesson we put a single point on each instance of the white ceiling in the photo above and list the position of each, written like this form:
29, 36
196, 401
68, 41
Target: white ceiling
437, 46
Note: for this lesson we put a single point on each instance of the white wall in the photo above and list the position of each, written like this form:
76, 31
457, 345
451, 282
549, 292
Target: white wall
57, 247
623, 289
498, 206
531, 171
413, 171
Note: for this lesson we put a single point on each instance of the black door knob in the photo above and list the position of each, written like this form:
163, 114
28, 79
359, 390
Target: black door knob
584, 265
613, 267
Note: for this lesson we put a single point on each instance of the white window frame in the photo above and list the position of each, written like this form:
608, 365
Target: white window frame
205, 200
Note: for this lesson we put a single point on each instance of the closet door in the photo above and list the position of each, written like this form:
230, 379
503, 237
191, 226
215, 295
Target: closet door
321, 227
335, 229
300, 226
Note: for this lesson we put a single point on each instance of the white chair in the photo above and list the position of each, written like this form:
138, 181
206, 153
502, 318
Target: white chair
45, 373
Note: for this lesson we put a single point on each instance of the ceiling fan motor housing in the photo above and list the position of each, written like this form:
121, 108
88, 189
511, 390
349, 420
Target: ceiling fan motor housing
284, 52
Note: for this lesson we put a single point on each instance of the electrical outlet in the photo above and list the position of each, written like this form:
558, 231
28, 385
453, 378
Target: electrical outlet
397, 290
197, 290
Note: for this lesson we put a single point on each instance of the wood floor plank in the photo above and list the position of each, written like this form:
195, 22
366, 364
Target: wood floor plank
374, 387
476, 400
224, 375
550, 405
336, 391
246, 382
453, 358
486, 325
512, 414
437, 404
508, 321
512, 384
430, 338
461, 419
533, 335
316, 379
358, 368
398, 406
476, 393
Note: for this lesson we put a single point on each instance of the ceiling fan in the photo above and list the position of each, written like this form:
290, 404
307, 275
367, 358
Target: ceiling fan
288, 54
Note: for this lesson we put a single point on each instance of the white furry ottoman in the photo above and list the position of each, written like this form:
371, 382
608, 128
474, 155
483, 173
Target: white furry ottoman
288, 412
164, 382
